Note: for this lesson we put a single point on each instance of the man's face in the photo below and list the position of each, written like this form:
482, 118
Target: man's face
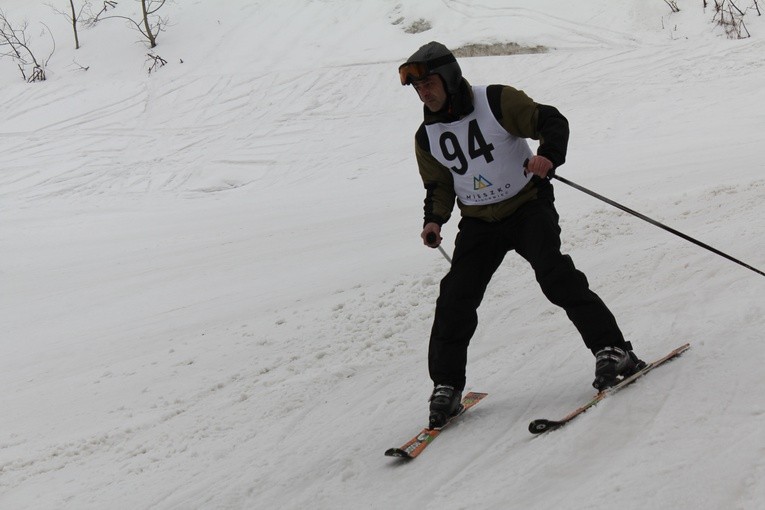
431, 91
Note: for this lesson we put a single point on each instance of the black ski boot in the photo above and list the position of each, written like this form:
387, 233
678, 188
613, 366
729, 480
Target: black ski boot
444, 403
613, 364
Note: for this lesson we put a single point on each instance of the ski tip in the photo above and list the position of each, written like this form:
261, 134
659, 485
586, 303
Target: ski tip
398, 453
541, 425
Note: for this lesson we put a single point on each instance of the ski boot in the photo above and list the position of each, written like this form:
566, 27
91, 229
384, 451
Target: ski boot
444, 403
613, 364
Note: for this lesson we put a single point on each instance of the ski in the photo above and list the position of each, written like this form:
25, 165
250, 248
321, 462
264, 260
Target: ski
542, 425
418, 443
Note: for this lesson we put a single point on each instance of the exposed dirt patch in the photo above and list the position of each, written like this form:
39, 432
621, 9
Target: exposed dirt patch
417, 26
484, 50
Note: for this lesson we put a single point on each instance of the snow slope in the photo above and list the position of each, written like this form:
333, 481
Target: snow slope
214, 294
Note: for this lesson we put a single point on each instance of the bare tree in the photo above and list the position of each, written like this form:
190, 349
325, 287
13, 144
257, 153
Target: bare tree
148, 8
150, 24
15, 45
74, 16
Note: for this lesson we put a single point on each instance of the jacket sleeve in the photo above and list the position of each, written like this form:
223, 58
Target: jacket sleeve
524, 118
553, 134
438, 181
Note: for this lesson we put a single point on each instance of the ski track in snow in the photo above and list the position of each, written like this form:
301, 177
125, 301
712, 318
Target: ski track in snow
214, 294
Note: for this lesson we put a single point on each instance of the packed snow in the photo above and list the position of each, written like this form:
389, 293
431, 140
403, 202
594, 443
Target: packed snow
214, 294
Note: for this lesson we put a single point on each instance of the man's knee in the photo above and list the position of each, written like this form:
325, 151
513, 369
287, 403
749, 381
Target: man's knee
560, 279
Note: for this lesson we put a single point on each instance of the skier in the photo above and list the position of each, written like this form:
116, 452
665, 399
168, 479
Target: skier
472, 146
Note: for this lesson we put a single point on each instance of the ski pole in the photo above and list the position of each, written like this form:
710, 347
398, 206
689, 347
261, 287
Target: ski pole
655, 223
431, 238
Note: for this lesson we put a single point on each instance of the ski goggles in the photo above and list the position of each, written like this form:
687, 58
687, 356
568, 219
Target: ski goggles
413, 71
416, 71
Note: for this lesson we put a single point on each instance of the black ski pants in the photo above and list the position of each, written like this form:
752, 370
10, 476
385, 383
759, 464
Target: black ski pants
534, 233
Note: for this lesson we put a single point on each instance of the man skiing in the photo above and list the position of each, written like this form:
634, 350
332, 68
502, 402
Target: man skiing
472, 147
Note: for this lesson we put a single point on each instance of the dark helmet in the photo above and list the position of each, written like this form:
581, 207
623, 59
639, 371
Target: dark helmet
432, 58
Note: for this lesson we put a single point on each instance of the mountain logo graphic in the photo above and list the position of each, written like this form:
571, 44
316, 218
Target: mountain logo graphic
480, 182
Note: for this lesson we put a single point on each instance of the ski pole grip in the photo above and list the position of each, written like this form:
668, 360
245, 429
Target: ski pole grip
431, 238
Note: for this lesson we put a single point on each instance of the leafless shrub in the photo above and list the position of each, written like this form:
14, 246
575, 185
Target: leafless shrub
16, 45
756, 7
673, 5
156, 62
731, 19
108, 4
89, 18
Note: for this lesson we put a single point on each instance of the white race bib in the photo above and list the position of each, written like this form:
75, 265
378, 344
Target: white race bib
485, 160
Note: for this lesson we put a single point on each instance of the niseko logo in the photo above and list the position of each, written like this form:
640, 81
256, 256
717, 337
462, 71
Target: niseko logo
480, 182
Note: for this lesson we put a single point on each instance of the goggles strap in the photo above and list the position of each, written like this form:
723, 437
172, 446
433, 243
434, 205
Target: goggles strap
419, 70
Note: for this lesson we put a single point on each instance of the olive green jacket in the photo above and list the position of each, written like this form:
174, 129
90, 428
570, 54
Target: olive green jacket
521, 117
